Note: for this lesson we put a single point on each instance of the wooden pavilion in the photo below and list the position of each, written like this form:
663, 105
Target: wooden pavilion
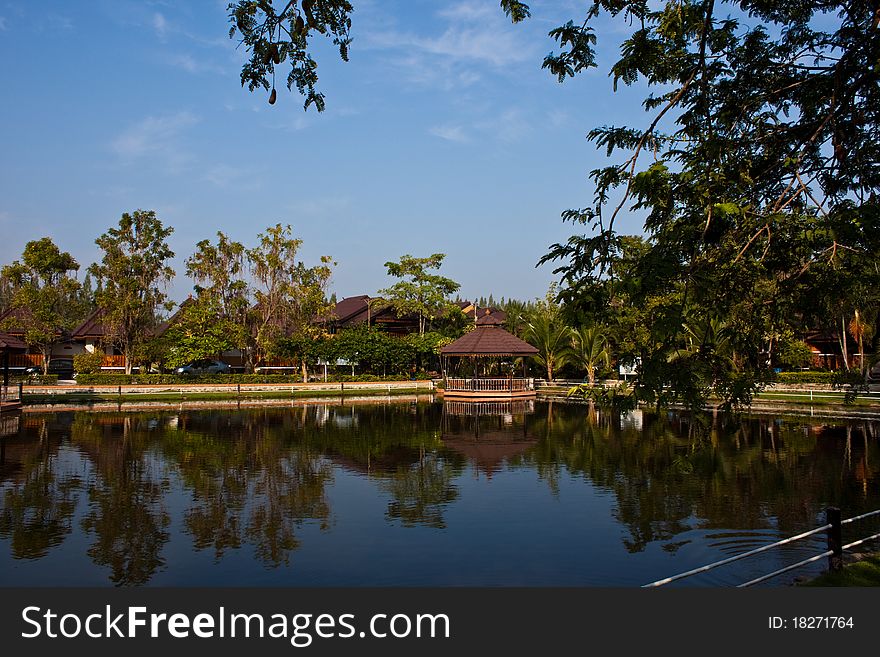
9, 399
481, 364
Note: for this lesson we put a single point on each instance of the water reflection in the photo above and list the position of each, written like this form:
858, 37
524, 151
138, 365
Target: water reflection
489, 434
260, 486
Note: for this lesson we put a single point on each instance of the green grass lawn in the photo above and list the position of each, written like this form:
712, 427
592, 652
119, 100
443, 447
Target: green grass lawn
861, 573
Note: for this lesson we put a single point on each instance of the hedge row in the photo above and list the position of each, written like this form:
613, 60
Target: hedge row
36, 379
158, 379
806, 377
420, 376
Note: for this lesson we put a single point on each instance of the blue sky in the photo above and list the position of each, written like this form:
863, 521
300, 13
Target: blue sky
442, 134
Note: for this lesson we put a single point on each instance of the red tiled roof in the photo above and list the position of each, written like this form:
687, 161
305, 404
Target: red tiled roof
10, 343
12, 319
91, 327
488, 339
349, 307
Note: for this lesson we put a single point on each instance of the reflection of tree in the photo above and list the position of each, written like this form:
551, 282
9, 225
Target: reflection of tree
251, 481
399, 447
685, 472
288, 491
420, 490
126, 510
39, 502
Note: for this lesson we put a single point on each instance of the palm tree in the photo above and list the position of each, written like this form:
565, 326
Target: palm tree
590, 349
859, 329
545, 331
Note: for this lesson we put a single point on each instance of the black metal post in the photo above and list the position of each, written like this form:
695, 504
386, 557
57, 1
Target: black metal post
835, 538
5, 369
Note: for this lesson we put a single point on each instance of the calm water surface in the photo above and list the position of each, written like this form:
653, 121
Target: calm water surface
410, 494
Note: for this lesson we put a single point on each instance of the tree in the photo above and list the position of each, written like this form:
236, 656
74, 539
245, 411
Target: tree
756, 170
289, 296
132, 277
198, 331
272, 37
420, 293
216, 319
590, 350
44, 292
546, 332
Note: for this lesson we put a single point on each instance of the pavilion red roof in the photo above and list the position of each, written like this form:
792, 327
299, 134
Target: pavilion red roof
10, 343
489, 339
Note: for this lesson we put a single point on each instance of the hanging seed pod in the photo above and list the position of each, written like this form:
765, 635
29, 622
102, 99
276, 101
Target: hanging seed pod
300, 26
276, 54
272, 96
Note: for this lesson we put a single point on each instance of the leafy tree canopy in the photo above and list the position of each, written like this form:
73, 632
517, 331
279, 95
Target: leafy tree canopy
43, 290
132, 275
282, 35
420, 292
757, 171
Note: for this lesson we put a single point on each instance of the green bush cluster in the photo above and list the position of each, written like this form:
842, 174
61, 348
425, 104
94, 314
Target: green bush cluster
363, 378
36, 379
88, 362
806, 377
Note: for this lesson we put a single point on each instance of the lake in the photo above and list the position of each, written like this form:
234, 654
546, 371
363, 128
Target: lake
418, 493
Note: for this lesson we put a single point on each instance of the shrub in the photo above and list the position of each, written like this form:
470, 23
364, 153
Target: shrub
36, 379
88, 362
806, 377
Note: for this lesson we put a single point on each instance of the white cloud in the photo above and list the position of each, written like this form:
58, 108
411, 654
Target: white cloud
449, 133
512, 125
478, 44
191, 64
59, 22
558, 118
157, 137
468, 11
476, 32
225, 176
160, 25
320, 207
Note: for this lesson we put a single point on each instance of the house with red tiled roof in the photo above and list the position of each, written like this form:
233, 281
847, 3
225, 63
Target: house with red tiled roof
371, 311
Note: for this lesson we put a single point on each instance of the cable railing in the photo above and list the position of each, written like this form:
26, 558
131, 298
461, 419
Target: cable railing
832, 529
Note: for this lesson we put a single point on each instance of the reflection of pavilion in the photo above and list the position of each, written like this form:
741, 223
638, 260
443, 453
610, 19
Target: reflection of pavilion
480, 364
488, 433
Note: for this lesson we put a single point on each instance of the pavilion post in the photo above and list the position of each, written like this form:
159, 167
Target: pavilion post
5, 369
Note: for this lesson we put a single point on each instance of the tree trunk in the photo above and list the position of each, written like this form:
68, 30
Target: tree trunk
305, 371
843, 343
47, 358
549, 371
591, 374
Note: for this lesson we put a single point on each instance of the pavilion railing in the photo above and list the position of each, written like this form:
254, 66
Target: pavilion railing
488, 385
10, 393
